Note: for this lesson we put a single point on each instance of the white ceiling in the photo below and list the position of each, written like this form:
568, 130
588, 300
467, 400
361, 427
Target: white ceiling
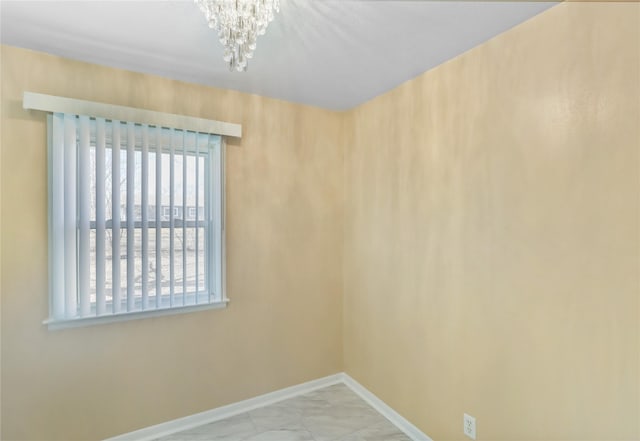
328, 53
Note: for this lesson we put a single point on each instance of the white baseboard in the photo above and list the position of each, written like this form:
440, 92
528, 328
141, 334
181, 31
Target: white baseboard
398, 420
219, 413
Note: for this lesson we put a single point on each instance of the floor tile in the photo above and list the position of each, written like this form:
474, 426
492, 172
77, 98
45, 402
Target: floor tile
282, 435
380, 432
333, 413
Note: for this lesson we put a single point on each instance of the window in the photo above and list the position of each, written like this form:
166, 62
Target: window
114, 249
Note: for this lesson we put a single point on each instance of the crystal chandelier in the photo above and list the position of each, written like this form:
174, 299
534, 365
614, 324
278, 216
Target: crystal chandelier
239, 22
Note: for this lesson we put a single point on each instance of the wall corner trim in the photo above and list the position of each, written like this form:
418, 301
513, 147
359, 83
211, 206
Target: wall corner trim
219, 413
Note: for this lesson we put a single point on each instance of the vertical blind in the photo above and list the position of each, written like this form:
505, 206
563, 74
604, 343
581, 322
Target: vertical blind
135, 217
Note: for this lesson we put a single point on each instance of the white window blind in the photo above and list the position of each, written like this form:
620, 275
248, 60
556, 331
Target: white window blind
136, 218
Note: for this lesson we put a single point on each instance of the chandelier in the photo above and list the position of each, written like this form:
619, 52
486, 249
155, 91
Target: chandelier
239, 22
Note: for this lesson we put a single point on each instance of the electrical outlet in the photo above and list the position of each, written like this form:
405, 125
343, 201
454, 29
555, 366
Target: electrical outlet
469, 426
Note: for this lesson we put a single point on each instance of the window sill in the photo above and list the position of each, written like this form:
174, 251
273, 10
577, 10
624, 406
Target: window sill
55, 324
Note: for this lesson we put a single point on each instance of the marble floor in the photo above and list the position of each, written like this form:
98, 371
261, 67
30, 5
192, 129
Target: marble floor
334, 413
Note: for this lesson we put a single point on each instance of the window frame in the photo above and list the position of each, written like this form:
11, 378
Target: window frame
216, 203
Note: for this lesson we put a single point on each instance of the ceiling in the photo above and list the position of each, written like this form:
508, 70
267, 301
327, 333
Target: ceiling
334, 54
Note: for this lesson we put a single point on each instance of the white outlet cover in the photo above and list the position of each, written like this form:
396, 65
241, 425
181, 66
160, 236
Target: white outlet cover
469, 426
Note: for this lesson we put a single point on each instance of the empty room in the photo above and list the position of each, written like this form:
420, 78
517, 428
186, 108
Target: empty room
319, 220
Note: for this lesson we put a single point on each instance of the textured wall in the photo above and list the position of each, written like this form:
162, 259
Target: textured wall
491, 247
492, 235
284, 242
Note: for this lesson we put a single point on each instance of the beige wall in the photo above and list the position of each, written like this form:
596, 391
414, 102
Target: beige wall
492, 235
284, 239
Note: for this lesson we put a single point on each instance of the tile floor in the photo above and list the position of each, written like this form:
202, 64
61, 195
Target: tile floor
334, 413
